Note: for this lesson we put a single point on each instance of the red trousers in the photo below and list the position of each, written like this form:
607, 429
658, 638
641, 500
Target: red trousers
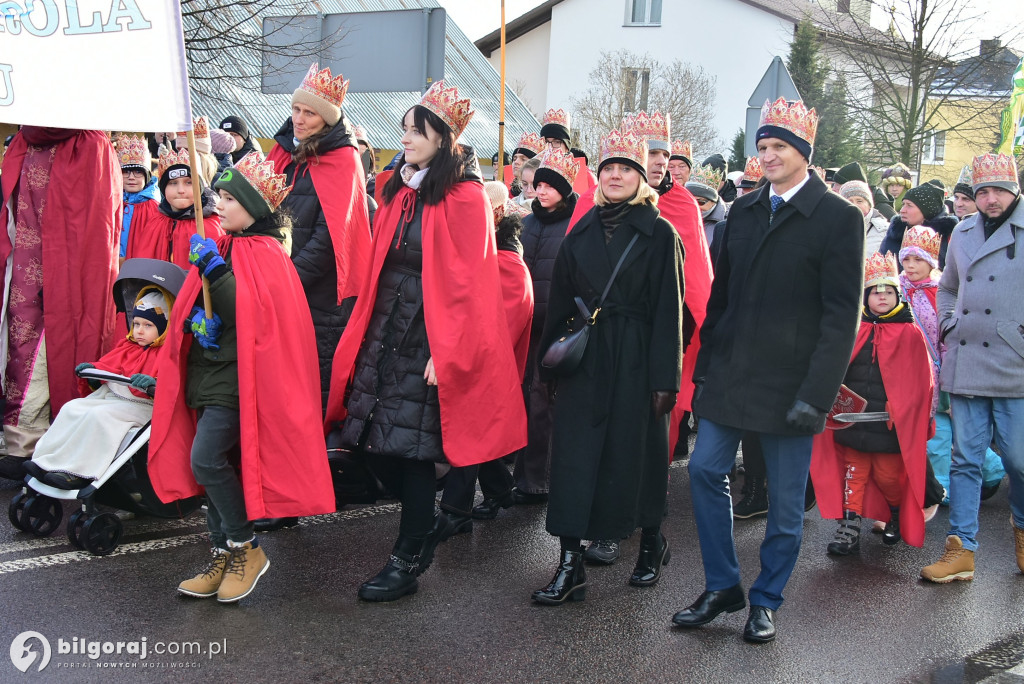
885, 470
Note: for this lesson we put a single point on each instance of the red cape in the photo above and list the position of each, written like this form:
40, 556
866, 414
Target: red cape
902, 354
483, 416
517, 291
154, 235
127, 358
585, 179
378, 185
80, 252
508, 176
341, 188
284, 465
678, 207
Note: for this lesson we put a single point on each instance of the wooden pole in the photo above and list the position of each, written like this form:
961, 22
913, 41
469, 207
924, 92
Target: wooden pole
501, 114
197, 201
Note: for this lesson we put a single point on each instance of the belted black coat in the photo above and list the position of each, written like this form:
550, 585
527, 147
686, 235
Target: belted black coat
784, 309
609, 457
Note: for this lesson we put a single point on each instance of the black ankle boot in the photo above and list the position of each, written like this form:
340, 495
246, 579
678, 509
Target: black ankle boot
398, 576
569, 582
447, 525
755, 501
847, 539
654, 554
891, 533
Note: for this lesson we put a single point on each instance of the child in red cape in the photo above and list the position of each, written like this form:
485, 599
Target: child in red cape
877, 469
84, 438
225, 390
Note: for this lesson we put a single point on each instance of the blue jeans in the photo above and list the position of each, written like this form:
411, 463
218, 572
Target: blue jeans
976, 422
787, 462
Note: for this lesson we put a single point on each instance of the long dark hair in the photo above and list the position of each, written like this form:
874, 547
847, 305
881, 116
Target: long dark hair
446, 167
310, 147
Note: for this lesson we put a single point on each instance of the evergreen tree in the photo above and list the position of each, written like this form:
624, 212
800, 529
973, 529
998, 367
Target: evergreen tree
737, 158
805, 63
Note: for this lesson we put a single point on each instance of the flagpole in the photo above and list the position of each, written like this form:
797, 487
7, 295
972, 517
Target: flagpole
197, 205
501, 114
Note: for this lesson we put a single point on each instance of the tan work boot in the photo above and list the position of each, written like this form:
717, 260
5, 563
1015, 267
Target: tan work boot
246, 566
957, 563
207, 582
1018, 540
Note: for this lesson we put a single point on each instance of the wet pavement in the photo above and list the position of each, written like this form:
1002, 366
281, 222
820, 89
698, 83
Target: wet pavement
859, 619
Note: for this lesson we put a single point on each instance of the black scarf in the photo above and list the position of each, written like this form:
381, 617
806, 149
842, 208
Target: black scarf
992, 224
666, 184
612, 216
555, 215
209, 207
271, 225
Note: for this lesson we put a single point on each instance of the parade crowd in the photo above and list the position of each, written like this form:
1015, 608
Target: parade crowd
553, 338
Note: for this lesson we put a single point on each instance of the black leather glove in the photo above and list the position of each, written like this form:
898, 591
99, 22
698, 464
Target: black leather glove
698, 387
662, 403
804, 417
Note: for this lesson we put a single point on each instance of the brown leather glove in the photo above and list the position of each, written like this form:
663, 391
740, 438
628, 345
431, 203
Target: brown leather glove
662, 403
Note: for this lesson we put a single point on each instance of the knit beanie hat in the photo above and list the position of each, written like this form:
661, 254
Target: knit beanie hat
897, 174
851, 172
221, 142
171, 165
154, 305
322, 92
718, 163
928, 198
234, 124
856, 188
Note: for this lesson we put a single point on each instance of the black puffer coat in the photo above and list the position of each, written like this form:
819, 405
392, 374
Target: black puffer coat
864, 376
313, 250
542, 235
943, 224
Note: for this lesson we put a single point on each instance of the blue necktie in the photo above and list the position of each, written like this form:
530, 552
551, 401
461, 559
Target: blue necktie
776, 202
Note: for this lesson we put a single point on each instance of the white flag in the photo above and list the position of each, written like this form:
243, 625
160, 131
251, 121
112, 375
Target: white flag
94, 64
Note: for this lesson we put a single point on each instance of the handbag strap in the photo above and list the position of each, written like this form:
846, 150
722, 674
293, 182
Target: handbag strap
592, 317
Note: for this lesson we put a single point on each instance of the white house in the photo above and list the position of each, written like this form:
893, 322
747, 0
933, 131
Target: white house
551, 50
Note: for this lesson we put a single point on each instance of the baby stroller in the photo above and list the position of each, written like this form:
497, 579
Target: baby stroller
38, 508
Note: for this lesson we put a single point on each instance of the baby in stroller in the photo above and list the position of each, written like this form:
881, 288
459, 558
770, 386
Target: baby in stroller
84, 438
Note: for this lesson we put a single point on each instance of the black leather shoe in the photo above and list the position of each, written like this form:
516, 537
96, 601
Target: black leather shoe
891, 533
526, 498
488, 508
760, 627
654, 554
271, 524
569, 582
601, 552
450, 524
710, 605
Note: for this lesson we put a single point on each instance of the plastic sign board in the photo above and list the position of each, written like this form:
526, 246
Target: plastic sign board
775, 83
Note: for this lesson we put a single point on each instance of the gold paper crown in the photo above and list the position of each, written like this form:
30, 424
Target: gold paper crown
132, 151
562, 163
682, 148
993, 168
707, 176
624, 144
513, 208
965, 176
923, 238
559, 117
654, 127
201, 128
321, 83
446, 104
881, 270
168, 159
792, 116
532, 142
752, 171
273, 187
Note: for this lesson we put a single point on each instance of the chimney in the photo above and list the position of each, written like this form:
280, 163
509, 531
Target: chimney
990, 47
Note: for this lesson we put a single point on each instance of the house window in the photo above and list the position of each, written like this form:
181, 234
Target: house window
637, 84
933, 148
643, 12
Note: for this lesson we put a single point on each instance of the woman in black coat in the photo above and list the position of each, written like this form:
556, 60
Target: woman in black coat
609, 460
921, 206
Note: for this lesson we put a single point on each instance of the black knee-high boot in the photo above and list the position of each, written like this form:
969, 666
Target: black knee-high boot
570, 580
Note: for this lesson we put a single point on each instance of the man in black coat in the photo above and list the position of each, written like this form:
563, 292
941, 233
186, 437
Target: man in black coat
781, 322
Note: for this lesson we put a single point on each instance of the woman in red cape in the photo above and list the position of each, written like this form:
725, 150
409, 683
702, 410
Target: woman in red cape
61, 198
425, 371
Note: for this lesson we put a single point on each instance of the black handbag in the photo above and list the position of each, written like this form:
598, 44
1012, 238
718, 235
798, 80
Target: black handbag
564, 355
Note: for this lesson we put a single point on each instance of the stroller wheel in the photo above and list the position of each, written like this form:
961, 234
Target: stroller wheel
101, 533
43, 514
16, 511
75, 526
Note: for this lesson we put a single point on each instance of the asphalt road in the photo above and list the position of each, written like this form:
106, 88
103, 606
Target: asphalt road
860, 619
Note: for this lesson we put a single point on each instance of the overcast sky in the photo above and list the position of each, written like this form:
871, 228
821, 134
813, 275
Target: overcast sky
477, 18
